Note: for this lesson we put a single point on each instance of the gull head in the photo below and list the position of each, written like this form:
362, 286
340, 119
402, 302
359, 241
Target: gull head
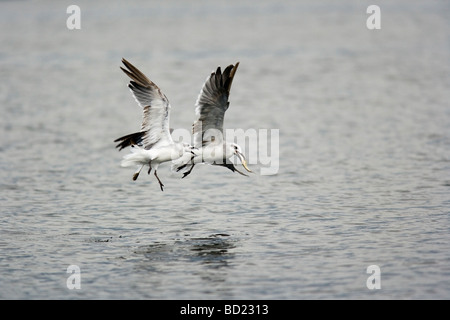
238, 151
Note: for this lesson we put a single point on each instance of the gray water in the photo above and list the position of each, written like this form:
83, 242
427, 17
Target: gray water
364, 152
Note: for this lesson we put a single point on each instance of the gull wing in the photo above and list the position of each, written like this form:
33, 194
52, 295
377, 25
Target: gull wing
211, 105
155, 122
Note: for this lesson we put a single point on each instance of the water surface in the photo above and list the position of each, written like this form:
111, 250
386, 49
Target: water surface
364, 163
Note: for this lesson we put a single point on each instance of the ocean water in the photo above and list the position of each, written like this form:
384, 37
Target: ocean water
361, 168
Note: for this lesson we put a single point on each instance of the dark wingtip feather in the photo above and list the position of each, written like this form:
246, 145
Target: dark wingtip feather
129, 140
231, 167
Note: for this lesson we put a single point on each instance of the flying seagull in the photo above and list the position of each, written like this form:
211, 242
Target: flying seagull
152, 145
209, 145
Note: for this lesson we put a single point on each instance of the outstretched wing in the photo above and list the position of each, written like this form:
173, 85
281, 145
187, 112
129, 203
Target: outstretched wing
211, 105
156, 108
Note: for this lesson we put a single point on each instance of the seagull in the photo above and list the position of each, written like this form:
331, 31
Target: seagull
210, 107
152, 145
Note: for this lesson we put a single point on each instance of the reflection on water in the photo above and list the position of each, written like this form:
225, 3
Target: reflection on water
206, 259
213, 252
364, 165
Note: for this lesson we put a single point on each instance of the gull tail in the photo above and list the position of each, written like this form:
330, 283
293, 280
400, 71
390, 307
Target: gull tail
130, 140
137, 157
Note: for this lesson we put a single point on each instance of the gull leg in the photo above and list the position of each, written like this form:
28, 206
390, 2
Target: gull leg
136, 174
185, 165
188, 172
150, 167
160, 183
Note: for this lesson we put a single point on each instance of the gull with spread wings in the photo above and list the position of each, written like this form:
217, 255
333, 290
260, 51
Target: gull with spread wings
209, 145
152, 145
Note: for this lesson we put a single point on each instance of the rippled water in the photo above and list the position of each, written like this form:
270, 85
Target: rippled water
364, 143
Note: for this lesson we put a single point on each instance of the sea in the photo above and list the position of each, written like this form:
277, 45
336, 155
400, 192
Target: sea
344, 107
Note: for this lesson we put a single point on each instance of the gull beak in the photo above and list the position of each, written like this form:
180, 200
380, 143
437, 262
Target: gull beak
244, 162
